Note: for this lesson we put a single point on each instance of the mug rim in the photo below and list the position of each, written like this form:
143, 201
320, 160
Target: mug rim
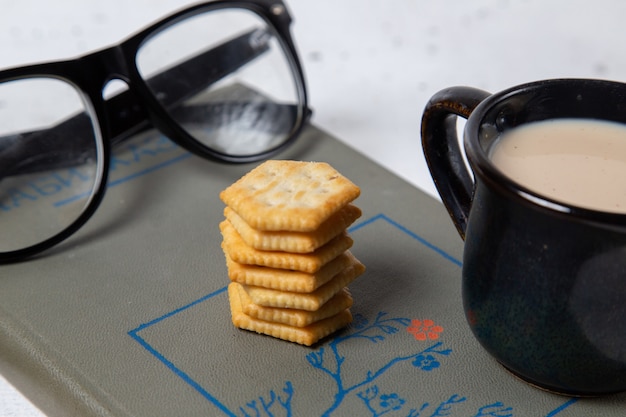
482, 165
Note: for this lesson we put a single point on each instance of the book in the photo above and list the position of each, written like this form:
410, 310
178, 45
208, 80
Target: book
130, 317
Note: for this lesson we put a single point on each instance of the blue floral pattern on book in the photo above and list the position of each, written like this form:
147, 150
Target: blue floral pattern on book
330, 360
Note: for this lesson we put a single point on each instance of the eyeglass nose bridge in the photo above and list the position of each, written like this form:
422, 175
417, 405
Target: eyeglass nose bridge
102, 66
124, 113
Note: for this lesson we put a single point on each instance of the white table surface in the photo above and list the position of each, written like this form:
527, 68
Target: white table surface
371, 65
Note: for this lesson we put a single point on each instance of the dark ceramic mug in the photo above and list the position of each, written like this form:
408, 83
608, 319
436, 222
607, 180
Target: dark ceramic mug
544, 283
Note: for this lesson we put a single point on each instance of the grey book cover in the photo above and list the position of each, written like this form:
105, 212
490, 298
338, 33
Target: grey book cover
130, 316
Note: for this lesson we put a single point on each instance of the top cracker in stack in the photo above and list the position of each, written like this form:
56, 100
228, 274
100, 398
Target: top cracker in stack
287, 250
289, 195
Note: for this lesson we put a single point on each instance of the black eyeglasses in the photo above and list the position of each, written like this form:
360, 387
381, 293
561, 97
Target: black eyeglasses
222, 79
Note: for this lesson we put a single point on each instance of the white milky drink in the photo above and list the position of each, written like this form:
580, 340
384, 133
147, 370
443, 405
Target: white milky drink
574, 161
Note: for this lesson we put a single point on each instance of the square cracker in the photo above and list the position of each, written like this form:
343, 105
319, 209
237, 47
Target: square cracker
290, 316
289, 195
287, 280
304, 301
240, 252
295, 242
307, 335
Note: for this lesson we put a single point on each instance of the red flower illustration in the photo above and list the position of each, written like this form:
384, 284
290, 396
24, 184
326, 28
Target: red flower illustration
424, 329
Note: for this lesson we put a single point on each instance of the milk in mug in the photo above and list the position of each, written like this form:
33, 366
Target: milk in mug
581, 162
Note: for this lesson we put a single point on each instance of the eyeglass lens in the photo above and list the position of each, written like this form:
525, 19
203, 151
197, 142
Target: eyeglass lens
256, 102
40, 196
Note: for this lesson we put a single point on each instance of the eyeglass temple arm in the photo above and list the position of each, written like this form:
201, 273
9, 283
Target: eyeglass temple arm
40, 150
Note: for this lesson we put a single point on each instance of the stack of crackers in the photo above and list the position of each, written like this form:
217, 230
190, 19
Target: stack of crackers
287, 250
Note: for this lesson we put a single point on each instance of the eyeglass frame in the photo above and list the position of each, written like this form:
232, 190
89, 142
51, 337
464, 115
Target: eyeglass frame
90, 73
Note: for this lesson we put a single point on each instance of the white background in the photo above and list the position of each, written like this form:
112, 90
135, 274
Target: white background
371, 65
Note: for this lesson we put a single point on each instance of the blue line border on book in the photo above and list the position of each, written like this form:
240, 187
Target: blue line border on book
211, 398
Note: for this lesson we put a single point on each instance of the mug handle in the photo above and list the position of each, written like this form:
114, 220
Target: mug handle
440, 143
